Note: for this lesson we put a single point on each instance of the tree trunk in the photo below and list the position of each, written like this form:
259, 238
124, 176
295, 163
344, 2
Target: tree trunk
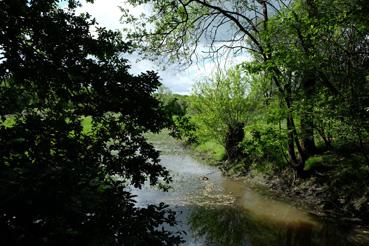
306, 117
298, 163
308, 84
325, 138
291, 143
234, 137
307, 135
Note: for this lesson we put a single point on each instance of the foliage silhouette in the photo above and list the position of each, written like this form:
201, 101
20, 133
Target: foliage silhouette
59, 183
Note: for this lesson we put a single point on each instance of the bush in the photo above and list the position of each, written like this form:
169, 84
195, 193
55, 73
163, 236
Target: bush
183, 129
263, 144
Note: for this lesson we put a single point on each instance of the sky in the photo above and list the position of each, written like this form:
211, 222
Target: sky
107, 14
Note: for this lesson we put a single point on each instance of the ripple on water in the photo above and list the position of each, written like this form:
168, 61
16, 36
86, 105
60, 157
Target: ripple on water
221, 211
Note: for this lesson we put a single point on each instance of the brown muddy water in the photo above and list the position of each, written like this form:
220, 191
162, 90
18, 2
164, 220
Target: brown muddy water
218, 210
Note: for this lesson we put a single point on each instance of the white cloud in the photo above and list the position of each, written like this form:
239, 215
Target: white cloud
108, 14
178, 81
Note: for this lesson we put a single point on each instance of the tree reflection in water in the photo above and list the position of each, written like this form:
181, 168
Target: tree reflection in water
232, 226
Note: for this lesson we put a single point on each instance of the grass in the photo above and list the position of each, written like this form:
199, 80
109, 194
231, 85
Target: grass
163, 142
213, 149
86, 123
209, 150
159, 137
313, 162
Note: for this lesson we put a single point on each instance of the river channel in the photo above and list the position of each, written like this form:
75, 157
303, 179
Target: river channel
217, 210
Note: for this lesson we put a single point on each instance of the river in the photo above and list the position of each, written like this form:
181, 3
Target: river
217, 210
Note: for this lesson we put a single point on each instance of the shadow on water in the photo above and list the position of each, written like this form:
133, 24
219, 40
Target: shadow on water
221, 211
233, 226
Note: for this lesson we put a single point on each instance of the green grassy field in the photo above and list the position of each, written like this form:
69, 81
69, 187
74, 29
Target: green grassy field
211, 148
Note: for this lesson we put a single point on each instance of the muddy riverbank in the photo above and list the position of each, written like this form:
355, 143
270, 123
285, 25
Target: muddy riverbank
213, 209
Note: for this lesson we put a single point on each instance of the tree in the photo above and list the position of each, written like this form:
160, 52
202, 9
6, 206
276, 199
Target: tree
322, 45
295, 57
221, 107
61, 184
232, 26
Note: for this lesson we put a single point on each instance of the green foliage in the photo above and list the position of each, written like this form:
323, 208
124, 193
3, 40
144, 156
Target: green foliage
345, 180
183, 129
9, 121
75, 142
170, 19
264, 144
14, 97
179, 123
313, 162
348, 185
173, 104
220, 103
176, 106
309, 89
87, 126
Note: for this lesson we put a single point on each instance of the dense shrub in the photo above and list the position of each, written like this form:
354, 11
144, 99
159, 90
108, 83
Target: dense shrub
264, 144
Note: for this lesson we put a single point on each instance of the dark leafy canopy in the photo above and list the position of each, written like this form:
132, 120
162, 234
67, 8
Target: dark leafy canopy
61, 184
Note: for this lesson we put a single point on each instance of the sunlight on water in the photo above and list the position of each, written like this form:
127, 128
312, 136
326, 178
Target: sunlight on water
274, 210
217, 210
266, 208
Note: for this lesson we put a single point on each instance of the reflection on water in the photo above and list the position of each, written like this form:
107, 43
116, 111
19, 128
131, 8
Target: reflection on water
233, 226
265, 208
221, 211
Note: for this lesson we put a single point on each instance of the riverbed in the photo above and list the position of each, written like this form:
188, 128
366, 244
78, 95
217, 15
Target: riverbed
217, 210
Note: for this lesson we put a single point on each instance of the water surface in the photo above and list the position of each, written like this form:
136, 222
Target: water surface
217, 210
